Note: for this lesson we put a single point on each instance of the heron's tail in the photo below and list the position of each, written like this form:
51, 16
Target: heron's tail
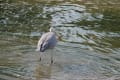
44, 46
40, 49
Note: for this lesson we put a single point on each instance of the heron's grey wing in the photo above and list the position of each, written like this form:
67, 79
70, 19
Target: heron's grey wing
51, 40
47, 40
41, 41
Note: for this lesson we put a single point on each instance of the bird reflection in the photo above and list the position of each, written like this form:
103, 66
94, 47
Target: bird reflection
43, 71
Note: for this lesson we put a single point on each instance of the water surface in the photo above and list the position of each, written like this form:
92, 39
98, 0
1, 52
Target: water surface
88, 48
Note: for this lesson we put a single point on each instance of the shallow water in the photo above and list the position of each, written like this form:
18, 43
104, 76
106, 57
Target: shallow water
88, 47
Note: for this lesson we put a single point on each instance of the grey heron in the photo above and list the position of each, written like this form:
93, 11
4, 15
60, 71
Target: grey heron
47, 41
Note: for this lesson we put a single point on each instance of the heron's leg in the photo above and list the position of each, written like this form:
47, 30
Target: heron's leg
52, 61
40, 56
52, 51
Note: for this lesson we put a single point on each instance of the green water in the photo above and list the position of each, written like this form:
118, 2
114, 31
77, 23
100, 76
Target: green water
88, 48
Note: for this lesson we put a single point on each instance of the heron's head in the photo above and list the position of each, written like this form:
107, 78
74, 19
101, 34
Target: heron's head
52, 29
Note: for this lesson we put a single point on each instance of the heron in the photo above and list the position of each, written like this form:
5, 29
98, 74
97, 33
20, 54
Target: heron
47, 41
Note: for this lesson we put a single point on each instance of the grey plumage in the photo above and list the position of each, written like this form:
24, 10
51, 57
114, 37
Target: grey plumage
47, 41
